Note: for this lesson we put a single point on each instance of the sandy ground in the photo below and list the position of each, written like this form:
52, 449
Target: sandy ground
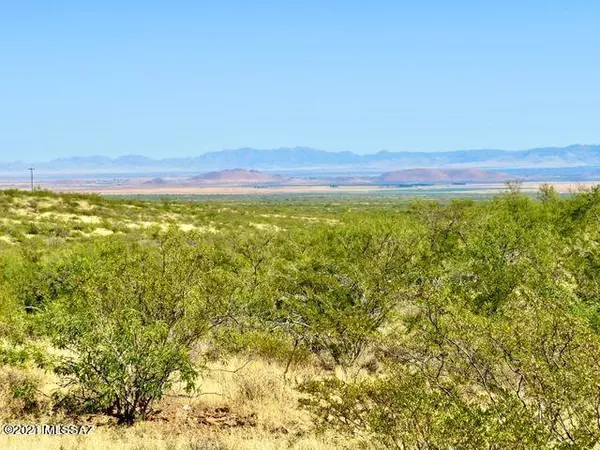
139, 189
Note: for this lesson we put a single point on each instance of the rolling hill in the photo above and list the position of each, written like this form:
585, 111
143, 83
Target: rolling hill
441, 176
234, 176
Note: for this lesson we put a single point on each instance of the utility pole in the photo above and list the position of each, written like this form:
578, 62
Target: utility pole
31, 169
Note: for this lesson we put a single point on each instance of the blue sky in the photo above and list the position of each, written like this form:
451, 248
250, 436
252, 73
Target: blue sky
180, 78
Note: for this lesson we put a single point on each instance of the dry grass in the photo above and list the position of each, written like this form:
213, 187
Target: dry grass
152, 437
242, 404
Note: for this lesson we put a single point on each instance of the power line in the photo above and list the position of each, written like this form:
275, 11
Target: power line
31, 169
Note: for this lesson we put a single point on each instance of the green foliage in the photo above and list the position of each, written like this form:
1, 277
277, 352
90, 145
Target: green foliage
496, 348
20, 393
335, 289
130, 323
482, 318
272, 346
123, 366
403, 411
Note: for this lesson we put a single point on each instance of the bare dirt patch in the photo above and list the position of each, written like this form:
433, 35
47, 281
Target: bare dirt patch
220, 417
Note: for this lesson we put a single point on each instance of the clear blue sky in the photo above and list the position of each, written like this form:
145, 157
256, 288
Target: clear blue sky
179, 78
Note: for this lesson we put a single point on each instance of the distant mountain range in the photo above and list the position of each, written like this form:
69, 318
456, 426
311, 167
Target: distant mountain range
302, 158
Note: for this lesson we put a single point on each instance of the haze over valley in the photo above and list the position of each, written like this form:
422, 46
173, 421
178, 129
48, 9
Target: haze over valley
302, 169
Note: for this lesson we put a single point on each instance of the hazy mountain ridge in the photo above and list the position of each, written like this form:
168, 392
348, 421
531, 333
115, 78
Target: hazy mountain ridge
308, 158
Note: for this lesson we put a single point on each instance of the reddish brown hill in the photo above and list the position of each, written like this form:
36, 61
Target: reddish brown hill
156, 182
442, 176
236, 176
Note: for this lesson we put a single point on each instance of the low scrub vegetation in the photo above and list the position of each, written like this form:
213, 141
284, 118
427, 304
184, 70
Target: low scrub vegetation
363, 323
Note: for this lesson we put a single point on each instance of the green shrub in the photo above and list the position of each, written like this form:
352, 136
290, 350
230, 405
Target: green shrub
273, 346
130, 324
123, 365
20, 393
